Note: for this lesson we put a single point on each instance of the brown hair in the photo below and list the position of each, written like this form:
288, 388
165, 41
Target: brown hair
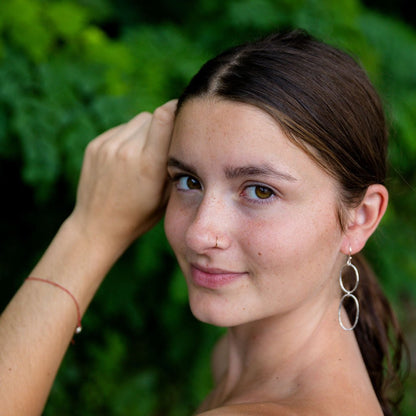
326, 104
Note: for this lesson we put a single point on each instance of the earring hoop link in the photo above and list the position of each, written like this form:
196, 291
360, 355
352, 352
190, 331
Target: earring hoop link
349, 294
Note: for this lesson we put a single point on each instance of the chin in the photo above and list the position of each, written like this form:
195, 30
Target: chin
213, 310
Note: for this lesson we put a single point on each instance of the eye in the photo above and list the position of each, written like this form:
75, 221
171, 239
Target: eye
187, 183
258, 192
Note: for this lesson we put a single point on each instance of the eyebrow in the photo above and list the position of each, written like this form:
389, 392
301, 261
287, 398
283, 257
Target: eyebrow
232, 172
175, 163
264, 170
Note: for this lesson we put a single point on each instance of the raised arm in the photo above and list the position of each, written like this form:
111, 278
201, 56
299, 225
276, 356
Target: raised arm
121, 194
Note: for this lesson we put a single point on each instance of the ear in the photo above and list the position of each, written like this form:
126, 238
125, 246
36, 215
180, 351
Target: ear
364, 219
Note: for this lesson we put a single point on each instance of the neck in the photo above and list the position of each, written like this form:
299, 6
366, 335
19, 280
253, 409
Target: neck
281, 350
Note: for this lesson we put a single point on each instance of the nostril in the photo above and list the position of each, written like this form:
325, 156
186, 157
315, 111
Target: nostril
206, 229
200, 240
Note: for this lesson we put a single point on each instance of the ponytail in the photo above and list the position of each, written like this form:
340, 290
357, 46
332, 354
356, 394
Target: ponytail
380, 339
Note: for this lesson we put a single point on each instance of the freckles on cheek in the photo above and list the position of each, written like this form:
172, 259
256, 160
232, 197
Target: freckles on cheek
263, 249
178, 219
173, 222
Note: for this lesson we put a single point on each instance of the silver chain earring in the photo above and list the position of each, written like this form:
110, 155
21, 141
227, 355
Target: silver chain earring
349, 294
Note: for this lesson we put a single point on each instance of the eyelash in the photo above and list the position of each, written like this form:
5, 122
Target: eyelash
176, 179
257, 199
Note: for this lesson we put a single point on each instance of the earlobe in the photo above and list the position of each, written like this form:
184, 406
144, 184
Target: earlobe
365, 218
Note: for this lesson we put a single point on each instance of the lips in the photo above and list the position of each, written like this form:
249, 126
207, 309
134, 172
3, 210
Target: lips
213, 278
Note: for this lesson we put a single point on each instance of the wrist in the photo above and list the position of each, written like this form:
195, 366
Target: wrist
77, 261
97, 244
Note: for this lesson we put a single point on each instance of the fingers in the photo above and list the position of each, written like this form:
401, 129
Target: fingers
147, 139
123, 186
150, 132
160, 131
135, 126
119, 134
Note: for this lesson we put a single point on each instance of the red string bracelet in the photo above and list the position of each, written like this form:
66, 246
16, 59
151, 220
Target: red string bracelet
78, 328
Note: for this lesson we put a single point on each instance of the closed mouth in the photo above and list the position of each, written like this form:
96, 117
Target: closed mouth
213, 278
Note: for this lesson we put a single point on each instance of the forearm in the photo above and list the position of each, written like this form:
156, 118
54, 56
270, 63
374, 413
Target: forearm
39, 322
121, 194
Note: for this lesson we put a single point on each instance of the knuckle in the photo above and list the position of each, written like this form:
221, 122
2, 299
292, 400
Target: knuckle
163, 115
146, 114
124, 153
141, 118
92, 147
110, 148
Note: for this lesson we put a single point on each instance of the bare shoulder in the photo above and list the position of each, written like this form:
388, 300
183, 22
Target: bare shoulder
251, 409
275, 409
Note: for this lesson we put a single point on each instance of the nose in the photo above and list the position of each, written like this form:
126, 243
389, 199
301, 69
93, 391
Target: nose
208, 230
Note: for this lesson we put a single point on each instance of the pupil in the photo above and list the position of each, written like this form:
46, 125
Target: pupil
263, 192
192, 183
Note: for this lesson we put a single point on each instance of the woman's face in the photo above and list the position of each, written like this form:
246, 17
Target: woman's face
251, 218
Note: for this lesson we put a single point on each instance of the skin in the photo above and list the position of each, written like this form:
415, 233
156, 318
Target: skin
280, 343
278, 273
122, 193
253, 222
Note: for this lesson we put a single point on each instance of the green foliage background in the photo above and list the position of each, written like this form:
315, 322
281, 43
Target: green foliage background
71, 69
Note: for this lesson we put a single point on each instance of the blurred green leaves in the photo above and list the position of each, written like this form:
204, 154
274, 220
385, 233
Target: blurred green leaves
69, 70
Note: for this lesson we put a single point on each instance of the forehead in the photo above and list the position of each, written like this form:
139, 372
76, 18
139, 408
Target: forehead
232, 130
225, 112
206, 119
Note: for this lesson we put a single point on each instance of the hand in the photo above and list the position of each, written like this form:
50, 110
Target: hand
123, 187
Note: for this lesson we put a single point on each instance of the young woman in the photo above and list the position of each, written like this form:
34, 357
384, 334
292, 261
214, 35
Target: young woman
276, 160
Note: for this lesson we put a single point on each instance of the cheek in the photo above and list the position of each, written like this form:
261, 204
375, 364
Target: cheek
295, 239
170, 223
175, 224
